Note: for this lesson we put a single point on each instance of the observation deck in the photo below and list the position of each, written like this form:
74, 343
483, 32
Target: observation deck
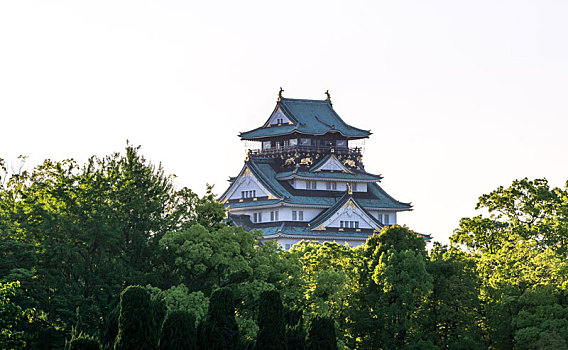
352, 151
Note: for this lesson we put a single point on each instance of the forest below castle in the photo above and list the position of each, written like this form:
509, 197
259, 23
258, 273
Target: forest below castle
111, 254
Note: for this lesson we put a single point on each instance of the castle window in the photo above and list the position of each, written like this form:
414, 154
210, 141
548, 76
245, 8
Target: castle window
274, 215
294, 215
300, 215
341, 143
266, 145
353, 186
279, 120
386, 222
305, 142
293, 142
380, 217
255, 217
349, 224
331, 185
248, 194
311, 185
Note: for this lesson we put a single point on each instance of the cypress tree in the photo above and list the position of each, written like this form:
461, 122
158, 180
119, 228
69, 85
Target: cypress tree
135, 323
178, 331
220, 331
321, 334
295, 331
272, 328
84, 343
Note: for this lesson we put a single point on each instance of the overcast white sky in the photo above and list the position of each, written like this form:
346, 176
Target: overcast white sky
461, 96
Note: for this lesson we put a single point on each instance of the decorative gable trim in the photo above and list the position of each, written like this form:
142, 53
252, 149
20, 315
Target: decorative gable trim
349, 211
331, 163
246, 181
278, 118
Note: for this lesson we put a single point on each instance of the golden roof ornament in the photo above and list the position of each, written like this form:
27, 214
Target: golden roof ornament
328, 97
349, 191
280, 94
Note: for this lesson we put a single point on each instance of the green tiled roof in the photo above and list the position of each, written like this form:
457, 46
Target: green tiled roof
376, 197
286, 230
318, 220
312, 117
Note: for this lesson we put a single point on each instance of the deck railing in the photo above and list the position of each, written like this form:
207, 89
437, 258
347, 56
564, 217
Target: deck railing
357, 151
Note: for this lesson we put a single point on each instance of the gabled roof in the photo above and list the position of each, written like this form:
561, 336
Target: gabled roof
262, 169
327, 214
311, 117
330, 160
359, 176
253, 168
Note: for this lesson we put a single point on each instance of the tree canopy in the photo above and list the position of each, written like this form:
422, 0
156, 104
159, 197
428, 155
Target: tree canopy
90, 253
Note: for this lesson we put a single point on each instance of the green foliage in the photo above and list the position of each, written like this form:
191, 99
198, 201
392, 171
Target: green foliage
85, 231
529, 209
452, 312
84, 343
178, 331
271, 324
321, 334
295, 331
10, 315
136, 323
73, 235
179, 298
393, 289
219, 331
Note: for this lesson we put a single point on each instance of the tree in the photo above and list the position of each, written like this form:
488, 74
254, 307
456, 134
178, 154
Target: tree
452, 311
10, 315
271, 324
321, 334
84, 343
520, 251
178, 331
136, 324
393, 287
89, 229
219, 330
528, 208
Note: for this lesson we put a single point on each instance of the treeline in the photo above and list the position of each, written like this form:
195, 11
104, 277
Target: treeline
110, 254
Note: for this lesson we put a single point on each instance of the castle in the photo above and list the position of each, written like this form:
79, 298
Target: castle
306, 181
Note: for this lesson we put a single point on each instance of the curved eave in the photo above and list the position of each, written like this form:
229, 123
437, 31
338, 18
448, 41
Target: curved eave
243, 135
346, 178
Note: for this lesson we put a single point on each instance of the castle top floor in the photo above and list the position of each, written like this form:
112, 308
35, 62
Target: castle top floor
308, 123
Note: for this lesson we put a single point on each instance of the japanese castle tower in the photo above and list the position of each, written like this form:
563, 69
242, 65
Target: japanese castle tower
306, 181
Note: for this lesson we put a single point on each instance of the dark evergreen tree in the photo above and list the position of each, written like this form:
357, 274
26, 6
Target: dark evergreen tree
178, 331
321, 334
295, 331
135, 323
272, 328
220, 331
84, 343
110, 329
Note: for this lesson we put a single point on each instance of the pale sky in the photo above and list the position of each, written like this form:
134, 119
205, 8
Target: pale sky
461, 96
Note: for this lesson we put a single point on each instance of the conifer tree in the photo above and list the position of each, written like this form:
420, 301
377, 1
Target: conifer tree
220, 331
321, 334
135, 322
178, 331
272, 329
84, 343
